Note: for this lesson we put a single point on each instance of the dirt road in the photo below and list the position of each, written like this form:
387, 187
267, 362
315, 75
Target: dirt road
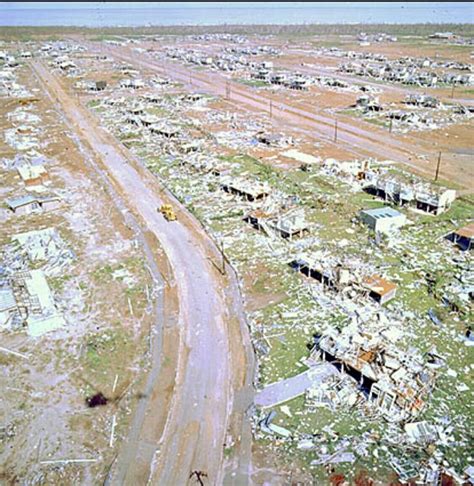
196, 423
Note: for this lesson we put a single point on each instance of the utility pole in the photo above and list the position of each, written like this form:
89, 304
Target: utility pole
391, 124
437, 167
271, 108
335, 132
227, 90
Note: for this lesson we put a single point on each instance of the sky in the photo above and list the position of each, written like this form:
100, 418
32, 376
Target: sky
468, 6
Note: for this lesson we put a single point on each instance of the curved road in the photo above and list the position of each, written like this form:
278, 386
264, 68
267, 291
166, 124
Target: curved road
195, 430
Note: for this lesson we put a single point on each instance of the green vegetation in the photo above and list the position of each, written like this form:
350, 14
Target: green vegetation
255, 83
57, 283
111, 33
106, 354
93, 103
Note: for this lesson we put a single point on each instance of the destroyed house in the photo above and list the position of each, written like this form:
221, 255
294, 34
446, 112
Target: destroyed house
463, 237
136, 110
258, 218
8, 305
299, 82
263, 74
149, 120
396, 383
152, 98
340, 278
166, 131
368, 103
425, 198
422, 100
132, 83
330, 276
99, 85
382, 220
289, 225
35, 302
278, 78
435, 202
193, 97
270, 139
250, 190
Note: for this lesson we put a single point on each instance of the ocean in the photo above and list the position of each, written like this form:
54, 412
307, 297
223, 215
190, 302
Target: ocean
105, 16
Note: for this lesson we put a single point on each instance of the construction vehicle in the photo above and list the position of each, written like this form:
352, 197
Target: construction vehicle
168, 212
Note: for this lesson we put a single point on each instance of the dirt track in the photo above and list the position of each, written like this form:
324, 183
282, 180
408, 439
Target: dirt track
196, 423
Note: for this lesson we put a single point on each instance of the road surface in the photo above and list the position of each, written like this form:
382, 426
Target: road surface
196, 424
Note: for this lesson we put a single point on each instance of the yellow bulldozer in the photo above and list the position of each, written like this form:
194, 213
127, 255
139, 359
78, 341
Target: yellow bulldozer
168, 212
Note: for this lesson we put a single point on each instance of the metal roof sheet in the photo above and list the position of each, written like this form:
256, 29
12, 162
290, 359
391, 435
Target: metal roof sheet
7, 299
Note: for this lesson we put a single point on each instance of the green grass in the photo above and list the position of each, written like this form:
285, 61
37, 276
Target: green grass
255, 83
107, 354
57, 283
93, 103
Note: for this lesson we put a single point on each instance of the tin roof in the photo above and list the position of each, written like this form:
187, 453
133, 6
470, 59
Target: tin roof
379, 285
385, 212
17, 202
466, 231
7, 299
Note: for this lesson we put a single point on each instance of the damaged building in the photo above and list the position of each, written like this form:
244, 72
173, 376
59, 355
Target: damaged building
26, 301
249, 190
291, 224
424, 197
463, 237
396, 383
33, 175
345, 278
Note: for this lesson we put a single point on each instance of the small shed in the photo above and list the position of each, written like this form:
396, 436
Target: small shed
383, 220
380, 290
33, 175
463, 237
99, 85
23, 205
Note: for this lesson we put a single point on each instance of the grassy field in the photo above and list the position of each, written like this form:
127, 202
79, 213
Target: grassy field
110, 33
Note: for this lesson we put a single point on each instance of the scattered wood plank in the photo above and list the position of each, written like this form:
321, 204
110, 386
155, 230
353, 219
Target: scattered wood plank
15, 353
